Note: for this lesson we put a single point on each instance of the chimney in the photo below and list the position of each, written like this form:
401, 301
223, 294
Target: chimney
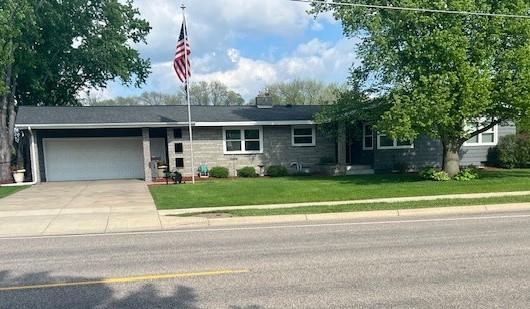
264, 101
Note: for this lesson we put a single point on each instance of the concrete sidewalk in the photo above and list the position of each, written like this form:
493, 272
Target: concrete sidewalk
126, 206
202, 222
351, 202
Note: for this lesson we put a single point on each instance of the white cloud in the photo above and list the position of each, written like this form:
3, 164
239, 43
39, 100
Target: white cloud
212, 25
314, 59
216, 27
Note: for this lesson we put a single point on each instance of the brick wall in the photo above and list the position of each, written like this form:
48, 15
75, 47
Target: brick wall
277, 150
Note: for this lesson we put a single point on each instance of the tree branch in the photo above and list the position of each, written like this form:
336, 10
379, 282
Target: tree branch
482, 130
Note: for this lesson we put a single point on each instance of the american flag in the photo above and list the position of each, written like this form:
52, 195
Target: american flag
182, 55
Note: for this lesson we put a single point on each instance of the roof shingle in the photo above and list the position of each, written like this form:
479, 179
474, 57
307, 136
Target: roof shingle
160, 114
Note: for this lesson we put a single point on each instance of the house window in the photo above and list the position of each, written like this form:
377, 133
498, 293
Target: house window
179, 162
243, 140
385, 142
177, 133
368, 137
303, 136
487, 138
179, 148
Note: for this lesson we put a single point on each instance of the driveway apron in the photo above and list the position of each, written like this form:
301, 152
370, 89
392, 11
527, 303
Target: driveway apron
58, 208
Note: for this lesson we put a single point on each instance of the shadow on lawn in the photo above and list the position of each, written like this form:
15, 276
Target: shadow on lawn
145, 295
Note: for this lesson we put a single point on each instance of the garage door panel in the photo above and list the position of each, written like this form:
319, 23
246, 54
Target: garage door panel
93, 158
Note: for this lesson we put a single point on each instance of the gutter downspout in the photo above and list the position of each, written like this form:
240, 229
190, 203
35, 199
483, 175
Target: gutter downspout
33, 166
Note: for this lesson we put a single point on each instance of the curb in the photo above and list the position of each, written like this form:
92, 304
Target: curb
187, 222
350, 202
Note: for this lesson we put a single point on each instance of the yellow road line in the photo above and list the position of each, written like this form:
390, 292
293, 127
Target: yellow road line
126, 279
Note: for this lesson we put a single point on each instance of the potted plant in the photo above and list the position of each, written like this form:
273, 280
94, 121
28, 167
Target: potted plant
18, 174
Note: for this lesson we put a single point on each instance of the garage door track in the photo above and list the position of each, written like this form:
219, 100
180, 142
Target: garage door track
57, 208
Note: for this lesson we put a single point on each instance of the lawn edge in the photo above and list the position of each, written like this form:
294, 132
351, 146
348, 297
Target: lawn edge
345, 216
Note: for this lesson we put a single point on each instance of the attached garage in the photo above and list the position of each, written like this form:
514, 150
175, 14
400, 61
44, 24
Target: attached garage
68, 159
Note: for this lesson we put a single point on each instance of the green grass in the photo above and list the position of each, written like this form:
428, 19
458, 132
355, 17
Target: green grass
235, 192
5, 191
372, 206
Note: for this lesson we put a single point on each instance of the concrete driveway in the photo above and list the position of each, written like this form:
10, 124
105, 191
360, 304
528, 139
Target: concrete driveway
79, 207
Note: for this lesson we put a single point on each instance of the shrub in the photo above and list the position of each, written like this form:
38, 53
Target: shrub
277, 171
432, 173
441, 176
427, 172
247, 171
468, 173
514, 151
219, 172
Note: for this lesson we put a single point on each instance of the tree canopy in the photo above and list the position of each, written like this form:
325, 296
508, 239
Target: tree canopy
302, 92
51, 50
449, 76
201, 93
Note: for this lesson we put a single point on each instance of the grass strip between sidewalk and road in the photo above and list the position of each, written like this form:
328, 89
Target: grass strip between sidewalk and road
370, 207
5, 191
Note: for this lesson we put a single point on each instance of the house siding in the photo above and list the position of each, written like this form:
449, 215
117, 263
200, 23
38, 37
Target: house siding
425, 152
479, 155
277, 150
429, 152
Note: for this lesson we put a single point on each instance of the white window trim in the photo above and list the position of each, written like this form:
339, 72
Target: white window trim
242, 130
313, 136
365, 136
494, 130
395, 146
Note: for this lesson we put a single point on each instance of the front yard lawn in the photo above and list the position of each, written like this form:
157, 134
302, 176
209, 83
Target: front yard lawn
5, 191
236, 192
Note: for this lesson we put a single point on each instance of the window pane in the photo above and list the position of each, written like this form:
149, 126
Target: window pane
404, 143
303, 140
233, 145
252, 146
179, 148
473, 140
303, 131
368, 142
251, 134
384, 141
179, 162
233, 134
488, 137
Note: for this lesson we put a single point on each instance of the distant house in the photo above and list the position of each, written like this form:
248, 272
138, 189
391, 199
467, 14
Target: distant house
121, 142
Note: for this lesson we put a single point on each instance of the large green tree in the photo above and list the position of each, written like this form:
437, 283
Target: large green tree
446, 75
51, 50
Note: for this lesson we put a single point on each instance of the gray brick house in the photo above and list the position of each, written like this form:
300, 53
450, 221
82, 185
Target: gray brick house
120, 142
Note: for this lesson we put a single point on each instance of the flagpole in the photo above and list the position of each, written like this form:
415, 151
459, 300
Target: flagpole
190, 130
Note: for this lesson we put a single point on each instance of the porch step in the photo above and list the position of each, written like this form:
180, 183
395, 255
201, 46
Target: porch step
358, 167
359, 170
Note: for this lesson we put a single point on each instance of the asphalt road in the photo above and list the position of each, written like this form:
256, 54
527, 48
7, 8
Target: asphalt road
464, 262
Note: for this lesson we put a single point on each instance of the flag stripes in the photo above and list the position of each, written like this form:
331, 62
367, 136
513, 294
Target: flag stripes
181, 61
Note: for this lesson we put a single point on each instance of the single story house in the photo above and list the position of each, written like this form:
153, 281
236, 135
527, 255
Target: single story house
122, 142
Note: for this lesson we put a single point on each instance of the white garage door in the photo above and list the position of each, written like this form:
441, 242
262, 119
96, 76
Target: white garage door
93, 158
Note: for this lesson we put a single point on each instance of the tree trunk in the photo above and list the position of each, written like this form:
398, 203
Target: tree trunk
5, 157
7, 126
451, 158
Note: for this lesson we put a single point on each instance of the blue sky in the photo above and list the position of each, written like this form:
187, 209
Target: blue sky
242, 43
